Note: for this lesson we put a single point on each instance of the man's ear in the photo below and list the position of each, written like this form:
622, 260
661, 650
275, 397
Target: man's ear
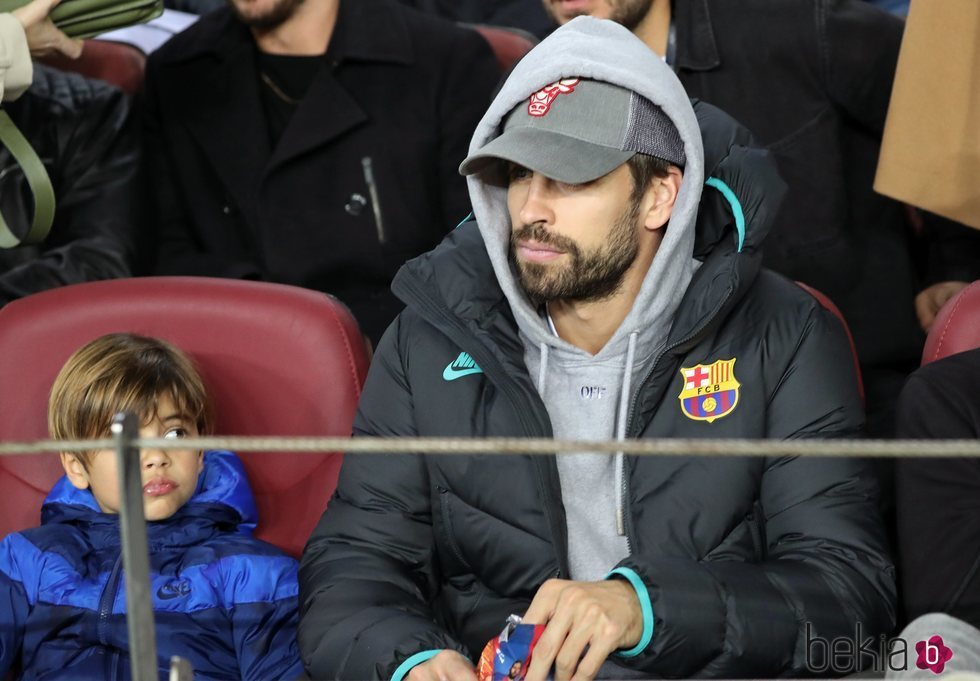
75, 470
200, 461
658, 202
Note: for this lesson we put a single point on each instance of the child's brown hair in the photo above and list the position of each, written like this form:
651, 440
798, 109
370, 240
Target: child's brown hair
123, 372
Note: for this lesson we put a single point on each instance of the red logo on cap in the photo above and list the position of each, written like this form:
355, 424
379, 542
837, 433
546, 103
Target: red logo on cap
541, 100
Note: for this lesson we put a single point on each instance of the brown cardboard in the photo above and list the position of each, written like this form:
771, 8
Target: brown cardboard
930, 155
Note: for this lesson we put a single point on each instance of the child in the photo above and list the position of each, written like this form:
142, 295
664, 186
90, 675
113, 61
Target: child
224, 601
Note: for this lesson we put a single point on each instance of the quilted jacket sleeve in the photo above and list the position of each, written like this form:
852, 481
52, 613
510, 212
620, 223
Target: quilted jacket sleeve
14, 598
368, 572
826, 568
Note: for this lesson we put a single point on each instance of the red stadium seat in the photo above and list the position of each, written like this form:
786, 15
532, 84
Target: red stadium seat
278, 360
828, 305
118, 64
509, 44
957, 326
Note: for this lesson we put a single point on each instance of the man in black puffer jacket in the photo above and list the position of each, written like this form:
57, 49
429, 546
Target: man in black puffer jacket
575, 310
84, 132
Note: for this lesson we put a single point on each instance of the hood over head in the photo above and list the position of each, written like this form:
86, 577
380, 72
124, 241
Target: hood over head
223, 496
654, 116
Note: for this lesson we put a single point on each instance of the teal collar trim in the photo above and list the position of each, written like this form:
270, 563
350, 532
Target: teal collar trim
735, 204
464, 221
645, 607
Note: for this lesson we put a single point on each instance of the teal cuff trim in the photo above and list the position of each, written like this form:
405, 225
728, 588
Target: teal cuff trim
735, 204
645, 607
415, 660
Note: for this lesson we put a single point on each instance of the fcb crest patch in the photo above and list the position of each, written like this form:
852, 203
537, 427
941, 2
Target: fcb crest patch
710, 390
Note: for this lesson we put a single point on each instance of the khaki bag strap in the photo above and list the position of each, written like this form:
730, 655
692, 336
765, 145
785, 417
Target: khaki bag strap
37, 180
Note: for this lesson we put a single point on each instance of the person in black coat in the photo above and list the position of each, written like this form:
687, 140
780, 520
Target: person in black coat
939, 499
591, 300
312, 143
87, 136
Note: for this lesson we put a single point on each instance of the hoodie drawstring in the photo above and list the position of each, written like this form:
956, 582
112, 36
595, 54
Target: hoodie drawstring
543, 369
624, 400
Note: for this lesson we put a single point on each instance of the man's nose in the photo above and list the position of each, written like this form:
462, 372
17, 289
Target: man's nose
537, 204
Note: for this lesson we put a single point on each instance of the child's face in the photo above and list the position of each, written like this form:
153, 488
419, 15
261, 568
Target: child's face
169, 476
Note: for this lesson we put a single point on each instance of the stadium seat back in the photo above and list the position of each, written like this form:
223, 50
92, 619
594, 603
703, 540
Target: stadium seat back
508, 44
277, 360
957, 326
118, 64
829, 305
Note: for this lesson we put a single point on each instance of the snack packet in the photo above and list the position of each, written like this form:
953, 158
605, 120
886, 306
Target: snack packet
507, 656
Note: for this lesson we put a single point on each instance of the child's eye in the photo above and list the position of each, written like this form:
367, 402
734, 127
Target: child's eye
175, 433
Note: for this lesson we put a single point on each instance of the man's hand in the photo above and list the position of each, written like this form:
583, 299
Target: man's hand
446, 666
928, 303
601, 616
43, 38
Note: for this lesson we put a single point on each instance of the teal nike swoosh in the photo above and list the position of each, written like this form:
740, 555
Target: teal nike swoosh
461, 366
451, 374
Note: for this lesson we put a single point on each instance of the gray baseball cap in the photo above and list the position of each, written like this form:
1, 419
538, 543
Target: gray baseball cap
577, 130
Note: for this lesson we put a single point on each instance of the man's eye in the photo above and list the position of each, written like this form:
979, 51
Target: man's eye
175, 433
516, 172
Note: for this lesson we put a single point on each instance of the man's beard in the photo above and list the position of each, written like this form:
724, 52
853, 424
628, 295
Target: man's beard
276, 16
629, 13
586, 277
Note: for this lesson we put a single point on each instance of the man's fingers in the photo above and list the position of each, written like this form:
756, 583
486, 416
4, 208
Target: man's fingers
931, 300
589, 666
546, 650
925, 309
551, 643
545, 600
570, 655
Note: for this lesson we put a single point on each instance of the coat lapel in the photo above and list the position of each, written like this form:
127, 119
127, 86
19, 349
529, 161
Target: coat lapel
227, 119
326, 112
367, 31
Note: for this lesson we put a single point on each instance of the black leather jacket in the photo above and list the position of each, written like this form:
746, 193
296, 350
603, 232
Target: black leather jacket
84, 132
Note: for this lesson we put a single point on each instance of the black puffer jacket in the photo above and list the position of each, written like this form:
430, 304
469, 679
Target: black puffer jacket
738, 554
84, 132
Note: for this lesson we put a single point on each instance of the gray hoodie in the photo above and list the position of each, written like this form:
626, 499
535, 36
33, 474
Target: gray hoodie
588, 396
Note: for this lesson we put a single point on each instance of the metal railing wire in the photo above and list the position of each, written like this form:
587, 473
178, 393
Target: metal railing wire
534, 446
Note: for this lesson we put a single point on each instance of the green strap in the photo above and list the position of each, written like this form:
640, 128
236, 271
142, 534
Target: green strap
37, 179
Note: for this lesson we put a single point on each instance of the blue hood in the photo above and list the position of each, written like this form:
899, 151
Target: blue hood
223, 498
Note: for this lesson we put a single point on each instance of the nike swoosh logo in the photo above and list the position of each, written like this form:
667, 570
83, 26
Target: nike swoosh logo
451, 374
173, 590
461, 366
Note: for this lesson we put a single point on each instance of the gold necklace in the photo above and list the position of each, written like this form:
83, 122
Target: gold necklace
277, 90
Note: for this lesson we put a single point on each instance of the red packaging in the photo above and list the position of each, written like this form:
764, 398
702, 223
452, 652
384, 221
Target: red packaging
507, 656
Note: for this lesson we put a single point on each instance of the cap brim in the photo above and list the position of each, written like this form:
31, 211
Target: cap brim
552, 154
